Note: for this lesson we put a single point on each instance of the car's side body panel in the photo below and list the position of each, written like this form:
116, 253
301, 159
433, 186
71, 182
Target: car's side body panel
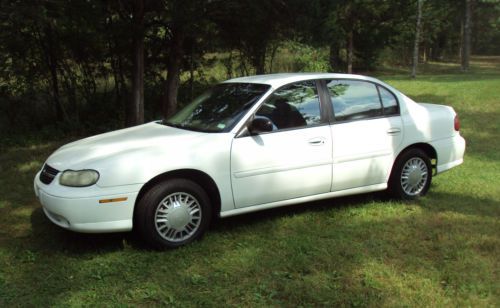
281, 165
434, 125
363, 151
251, 172
334, 194
144, 159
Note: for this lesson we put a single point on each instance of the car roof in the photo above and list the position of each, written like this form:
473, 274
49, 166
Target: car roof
278, 80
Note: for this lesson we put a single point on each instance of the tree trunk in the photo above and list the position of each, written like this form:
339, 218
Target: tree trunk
259, 60
134, 113
52, 64
334, 56
417, 39
70, 84
243, 65
350, 51
191, 71
228, 64
467, 36
174, 65
273, 55
461, 46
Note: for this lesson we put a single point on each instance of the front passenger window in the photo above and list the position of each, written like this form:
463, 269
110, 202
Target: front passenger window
293, 106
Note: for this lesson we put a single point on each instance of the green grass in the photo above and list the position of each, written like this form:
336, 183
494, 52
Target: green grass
442, 250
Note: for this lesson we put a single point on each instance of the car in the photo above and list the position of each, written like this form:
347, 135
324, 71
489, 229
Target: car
249, 144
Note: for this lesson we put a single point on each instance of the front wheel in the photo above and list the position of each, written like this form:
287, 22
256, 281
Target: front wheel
411, 176
173, 213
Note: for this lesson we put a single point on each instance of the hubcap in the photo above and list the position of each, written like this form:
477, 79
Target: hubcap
178, 216
414, 176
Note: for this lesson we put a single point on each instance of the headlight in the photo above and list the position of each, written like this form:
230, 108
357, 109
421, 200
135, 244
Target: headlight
79, 178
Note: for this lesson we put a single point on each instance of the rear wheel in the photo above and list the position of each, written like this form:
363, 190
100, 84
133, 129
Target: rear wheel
411, 176
173, 213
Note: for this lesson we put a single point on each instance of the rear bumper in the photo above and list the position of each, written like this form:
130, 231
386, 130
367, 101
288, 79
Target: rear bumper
85, 213
450, 152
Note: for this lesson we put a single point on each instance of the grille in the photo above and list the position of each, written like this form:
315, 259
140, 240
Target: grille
48, 174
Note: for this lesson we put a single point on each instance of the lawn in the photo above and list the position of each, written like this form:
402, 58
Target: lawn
442, 250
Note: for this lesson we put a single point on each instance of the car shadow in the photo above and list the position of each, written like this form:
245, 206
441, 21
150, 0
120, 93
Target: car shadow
249, 219
50, 237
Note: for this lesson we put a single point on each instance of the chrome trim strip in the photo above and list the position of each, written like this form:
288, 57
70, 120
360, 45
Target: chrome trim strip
282, 168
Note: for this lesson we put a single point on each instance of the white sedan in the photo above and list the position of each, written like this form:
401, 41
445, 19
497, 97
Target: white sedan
250, 144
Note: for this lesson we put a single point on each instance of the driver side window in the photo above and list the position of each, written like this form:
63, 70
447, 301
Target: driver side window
293, 106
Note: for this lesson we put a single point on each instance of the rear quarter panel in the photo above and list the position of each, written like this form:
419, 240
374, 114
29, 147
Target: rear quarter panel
433, 124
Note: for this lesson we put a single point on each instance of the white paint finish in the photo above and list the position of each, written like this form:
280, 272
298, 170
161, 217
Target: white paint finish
87, 214
263, 171
281, 168
427, 122
364, 151
135, 155
92, 227
280, 165
278, 80
138, 154
266, 206
56, 189
450, 152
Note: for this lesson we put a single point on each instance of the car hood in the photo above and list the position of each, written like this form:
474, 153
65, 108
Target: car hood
88, 152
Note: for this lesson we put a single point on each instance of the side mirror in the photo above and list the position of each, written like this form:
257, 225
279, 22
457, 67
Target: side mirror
260, 125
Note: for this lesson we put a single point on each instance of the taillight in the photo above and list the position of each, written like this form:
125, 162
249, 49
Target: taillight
457, 123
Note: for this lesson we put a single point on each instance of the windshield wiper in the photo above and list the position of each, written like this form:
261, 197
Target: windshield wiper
164, 122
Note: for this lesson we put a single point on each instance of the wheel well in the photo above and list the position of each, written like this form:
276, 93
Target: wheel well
427, 148
199, 177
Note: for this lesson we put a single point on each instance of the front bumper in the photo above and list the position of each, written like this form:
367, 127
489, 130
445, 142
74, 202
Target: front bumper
78, 208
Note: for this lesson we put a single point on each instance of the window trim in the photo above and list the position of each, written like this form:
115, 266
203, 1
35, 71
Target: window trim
323, 108
331, 110
382, 102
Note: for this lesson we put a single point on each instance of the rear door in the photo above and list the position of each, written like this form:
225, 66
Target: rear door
366, 133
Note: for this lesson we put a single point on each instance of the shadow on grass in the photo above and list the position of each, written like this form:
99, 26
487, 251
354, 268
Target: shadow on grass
343, 251
462, 204
49, 237
297, 209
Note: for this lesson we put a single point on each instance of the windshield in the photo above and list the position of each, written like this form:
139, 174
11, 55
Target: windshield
218, 109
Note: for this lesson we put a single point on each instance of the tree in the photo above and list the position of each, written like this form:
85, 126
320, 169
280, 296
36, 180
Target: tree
89, 62
134, 113
186, 24
485, 34
251, 26
417, 39
466, 47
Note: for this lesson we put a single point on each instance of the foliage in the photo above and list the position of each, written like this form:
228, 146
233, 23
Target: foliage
360, 251
71, 63
296, 57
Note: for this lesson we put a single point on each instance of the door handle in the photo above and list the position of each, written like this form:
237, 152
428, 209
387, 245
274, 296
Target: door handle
317, 141
393, 131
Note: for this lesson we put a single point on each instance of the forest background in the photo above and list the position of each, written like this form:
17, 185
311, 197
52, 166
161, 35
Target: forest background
80, 67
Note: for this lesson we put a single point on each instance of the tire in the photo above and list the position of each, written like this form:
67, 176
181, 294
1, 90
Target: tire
411, 175
173, 213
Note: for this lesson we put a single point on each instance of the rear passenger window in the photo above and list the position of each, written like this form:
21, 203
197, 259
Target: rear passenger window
389, 102
354, 99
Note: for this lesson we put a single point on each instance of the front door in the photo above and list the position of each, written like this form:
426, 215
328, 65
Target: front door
294, 160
